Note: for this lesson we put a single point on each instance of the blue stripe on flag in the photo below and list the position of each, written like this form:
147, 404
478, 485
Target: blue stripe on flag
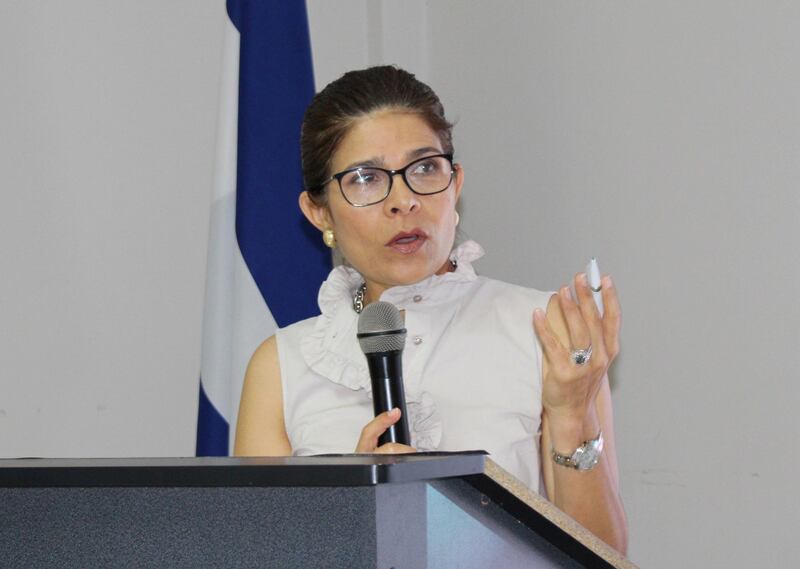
283, 252
212, 429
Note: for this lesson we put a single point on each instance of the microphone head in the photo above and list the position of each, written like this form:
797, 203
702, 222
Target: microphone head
380, 328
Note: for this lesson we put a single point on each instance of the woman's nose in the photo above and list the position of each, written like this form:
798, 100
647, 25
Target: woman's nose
401, 199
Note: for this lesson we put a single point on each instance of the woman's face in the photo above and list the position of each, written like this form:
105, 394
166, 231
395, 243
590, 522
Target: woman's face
407, 237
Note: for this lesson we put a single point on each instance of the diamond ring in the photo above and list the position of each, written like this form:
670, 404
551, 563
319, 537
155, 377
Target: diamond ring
581, 357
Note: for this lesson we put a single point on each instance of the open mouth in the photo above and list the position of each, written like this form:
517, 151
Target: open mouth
408, 242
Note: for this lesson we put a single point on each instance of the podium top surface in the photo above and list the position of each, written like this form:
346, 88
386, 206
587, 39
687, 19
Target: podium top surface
333, 470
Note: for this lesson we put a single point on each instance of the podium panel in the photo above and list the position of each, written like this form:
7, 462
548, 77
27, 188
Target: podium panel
410, 511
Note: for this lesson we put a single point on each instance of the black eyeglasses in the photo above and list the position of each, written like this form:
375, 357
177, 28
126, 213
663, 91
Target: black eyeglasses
365, 186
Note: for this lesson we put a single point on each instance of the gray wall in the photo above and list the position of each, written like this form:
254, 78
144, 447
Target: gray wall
107, 122
664, 138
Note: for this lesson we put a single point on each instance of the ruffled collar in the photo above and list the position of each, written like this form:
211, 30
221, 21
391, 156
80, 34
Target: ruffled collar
332, 351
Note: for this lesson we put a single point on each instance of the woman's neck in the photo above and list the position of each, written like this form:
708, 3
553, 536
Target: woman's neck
375, 290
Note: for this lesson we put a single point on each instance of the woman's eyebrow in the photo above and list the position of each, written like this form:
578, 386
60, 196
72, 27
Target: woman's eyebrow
369, 163
378, 162
422, 152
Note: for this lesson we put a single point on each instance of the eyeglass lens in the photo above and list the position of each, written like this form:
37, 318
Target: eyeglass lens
370, 185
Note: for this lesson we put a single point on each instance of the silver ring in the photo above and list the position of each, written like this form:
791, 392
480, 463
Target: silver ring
581, 357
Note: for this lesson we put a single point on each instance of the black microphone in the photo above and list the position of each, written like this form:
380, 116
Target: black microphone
382, 337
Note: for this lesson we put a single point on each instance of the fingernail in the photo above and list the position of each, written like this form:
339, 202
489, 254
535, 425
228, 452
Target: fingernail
607, 282
538, 314
394, 412
582, 279
565, 293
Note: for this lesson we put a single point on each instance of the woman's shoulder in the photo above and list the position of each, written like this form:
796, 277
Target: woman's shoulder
490, 288
297, 329
292, 342
266, 354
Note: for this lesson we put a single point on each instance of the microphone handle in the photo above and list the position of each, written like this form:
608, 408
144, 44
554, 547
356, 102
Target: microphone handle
386, 373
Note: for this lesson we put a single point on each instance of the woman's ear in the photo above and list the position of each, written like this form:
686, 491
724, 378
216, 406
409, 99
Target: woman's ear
459, 181
318, 215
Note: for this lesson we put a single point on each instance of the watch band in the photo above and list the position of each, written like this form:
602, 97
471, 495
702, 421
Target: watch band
585, 456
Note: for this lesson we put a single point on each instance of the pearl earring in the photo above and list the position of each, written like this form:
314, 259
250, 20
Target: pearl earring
458, 218
329, 238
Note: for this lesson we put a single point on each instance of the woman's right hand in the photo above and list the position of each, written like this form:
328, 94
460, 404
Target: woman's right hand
368, 443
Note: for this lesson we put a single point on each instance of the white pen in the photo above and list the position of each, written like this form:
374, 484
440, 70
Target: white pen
593, 277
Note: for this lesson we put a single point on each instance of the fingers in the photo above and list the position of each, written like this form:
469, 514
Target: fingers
553, 350
368, 442
612, 320
593, 320
604, 329
584, 325
588, 308
579, 333
394, 448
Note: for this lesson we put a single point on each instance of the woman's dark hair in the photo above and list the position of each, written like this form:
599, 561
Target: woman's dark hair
354, 95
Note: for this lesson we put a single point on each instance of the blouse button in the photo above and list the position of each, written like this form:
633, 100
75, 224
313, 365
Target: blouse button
417, 340
417, 298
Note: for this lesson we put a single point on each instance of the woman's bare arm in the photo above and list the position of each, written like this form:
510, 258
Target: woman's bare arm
584, 408
591, 498
260, 430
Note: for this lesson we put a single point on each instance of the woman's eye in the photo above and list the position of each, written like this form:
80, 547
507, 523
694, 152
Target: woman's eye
426, 167
361, 179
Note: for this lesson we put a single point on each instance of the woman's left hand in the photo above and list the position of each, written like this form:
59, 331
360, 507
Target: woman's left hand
576, 403
569, 389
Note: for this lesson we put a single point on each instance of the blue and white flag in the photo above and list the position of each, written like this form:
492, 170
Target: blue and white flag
265, 262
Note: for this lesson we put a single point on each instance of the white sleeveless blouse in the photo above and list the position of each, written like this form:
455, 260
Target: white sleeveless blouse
471, 367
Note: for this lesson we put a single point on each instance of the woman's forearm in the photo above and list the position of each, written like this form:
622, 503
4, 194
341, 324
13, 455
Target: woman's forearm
591, 497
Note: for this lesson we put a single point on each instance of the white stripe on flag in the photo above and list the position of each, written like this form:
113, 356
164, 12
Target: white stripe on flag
235, 318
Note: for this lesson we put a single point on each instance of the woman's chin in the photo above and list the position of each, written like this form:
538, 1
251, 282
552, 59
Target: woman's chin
403, 272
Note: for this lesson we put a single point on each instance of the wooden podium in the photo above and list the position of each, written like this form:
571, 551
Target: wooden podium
436, 510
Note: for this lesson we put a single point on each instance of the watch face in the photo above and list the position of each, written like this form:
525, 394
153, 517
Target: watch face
585, 457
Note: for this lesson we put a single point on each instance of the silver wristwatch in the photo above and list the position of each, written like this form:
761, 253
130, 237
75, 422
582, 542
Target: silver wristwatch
585, 456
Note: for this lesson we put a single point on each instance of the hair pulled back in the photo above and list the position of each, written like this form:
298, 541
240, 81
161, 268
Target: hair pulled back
354, 95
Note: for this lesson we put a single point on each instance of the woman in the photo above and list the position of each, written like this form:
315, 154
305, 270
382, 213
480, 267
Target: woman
518, 372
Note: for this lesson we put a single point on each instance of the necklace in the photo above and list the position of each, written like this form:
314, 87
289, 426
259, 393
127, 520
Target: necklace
358, 297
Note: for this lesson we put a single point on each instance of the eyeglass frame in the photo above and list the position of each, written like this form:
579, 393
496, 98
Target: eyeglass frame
391, 173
